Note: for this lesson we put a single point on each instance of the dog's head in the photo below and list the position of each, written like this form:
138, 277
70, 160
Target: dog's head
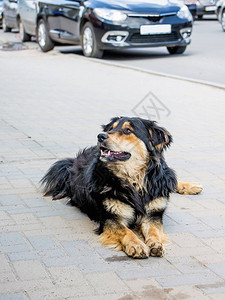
132, 139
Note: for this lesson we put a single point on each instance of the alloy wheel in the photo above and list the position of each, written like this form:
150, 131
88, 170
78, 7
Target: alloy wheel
223, 21
41, 35
88, 41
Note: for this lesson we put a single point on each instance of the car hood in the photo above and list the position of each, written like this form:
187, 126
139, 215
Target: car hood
139, 6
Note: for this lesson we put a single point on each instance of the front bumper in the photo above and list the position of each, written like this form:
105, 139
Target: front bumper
110, 36
206, 10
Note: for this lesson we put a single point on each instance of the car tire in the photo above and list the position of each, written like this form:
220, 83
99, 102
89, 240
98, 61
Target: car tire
177, 49
25, 37
4, 26
44, 41
89, 43
223, 20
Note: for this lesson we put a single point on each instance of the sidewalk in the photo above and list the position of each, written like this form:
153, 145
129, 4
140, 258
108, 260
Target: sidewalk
51, 106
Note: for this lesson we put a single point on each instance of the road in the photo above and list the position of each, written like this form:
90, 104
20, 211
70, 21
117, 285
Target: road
203, 60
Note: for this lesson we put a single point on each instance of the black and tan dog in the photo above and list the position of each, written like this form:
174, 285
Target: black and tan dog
123, 183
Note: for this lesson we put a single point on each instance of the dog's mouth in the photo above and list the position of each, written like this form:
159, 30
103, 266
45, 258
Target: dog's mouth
112, 156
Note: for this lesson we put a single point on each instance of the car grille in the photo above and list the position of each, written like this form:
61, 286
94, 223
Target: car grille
154, 38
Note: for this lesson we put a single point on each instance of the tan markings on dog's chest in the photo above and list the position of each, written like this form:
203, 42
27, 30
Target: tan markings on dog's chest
156, 205
129, 173
124, 211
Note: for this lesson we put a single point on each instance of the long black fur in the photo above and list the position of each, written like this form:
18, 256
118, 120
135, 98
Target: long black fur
87, 181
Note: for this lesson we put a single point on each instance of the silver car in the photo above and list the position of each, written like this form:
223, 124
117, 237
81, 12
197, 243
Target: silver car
27, 10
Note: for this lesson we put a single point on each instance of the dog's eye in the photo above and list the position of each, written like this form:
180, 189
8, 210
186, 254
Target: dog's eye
127, 131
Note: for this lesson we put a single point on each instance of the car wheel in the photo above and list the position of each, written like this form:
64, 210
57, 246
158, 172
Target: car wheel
23, 35
177, 49
223, 20
4, 26
44, 40
89, 44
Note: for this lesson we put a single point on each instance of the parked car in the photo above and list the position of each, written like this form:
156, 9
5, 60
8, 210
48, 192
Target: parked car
221, 15
27, 10
192, 6
219, 5
1, 12
10, 15
206, 7
109, 24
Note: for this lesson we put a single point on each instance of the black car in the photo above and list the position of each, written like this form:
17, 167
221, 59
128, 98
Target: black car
206, 7
108, 24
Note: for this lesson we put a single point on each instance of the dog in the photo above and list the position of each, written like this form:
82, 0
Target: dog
123, 183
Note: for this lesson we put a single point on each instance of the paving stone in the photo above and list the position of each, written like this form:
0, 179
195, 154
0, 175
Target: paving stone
188, 279
107, 283
62, 293
23, 256
218, 268
187, 265
7, 277
217, 296
217, 244
25, 218
216, 288
185, 292
30, 270
68, 276
166, 270
36, 202
13, 297
11, 238
9, 200
42, 242
4, 263
26, 286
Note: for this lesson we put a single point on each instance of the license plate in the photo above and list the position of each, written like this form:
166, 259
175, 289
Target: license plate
155, 29
210, 8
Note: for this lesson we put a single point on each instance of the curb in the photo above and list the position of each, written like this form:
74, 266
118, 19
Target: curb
161, 74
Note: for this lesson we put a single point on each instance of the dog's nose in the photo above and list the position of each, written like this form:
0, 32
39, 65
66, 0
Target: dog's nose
101, 137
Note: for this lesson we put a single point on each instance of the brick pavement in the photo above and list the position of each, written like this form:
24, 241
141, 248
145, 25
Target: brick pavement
51, 105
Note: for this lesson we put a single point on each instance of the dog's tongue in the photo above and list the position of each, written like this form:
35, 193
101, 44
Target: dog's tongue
114, 154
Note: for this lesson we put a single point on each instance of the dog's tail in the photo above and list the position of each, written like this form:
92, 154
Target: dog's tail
55, 181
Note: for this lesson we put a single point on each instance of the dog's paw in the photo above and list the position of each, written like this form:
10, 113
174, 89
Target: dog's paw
137, 250
189, 188
156, 249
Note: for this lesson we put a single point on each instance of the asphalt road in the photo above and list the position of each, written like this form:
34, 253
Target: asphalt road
203, 60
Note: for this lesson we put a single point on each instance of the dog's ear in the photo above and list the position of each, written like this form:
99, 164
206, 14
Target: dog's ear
160, 137
112, 121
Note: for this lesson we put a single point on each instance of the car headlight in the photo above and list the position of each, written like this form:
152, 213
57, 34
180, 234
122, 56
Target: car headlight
112, 15
184, 13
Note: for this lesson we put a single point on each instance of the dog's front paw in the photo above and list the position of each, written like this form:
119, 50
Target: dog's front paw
189, 188
136, 250
156, 249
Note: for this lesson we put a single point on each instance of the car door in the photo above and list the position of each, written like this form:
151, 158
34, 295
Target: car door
49, 9
10, 11
69, 20
27, 10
